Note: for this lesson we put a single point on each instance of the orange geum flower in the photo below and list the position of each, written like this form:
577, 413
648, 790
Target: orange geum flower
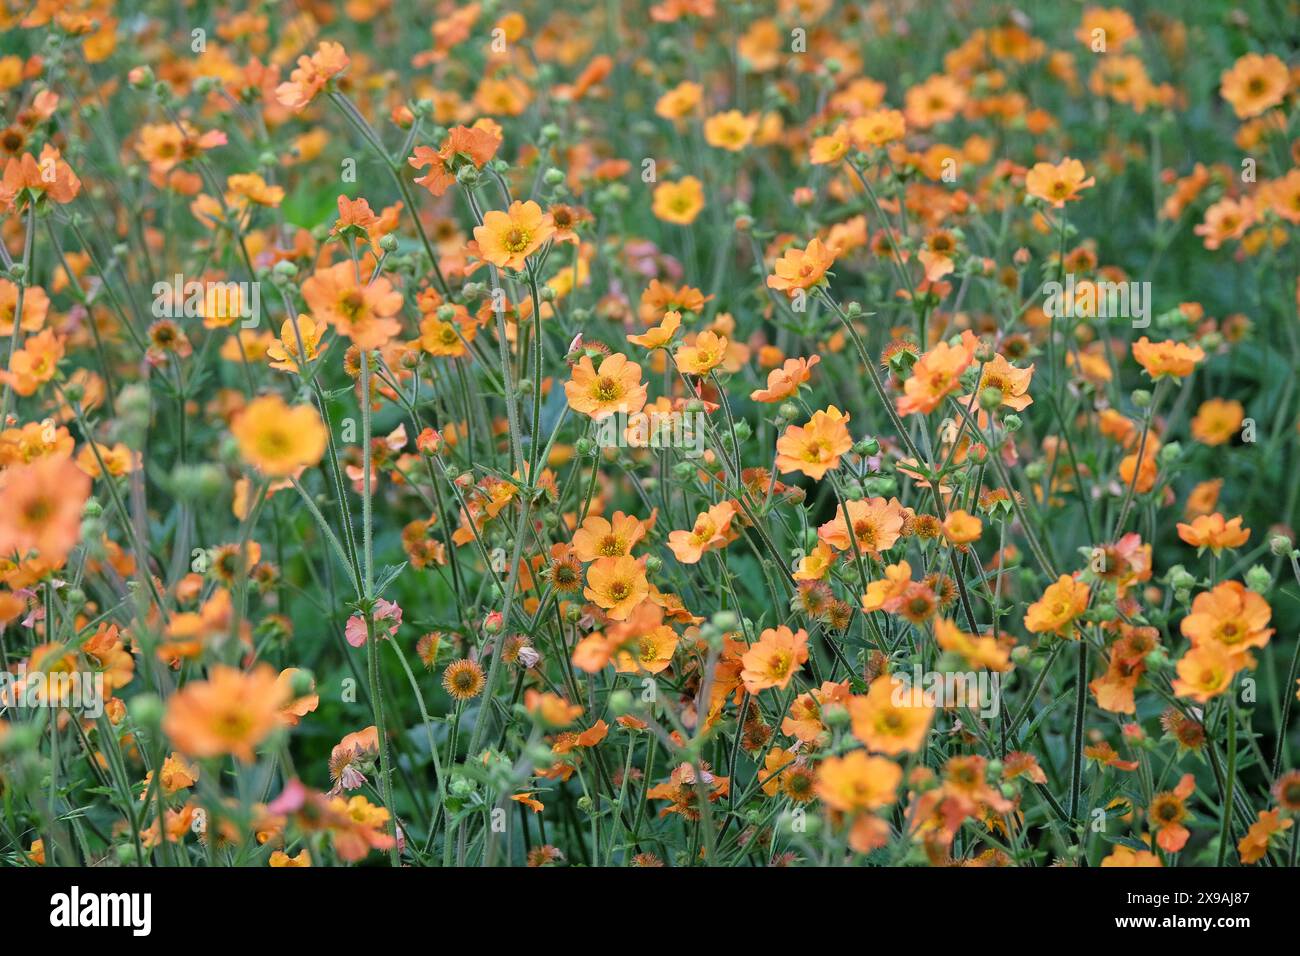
475, 144
1254, 84
805, 721
1057, 184
551, 709
1055, 612
1211, 531
816, 564
936, 100
877, 525
617, 585
732, 130
978, 652
857, 781
784, 382
365, 312
1116, 26
877, 128
888, 594
1232, 616
507, 239
278, 439
651, 653
250, 189
50, 177
816, 447
35, 363
801, 268
42, 508
832, 148
1167, 812
1226, 220
936, 375
311, 75
1167, 359
889, 722
959, 527
283, 353
659, 336
1011, 382
229, 713
615, 387
1217, 420
1204, 673
703, 355
679, 202
607, 538
1253, 847
680, 101
774, 659
36, 305
712, 529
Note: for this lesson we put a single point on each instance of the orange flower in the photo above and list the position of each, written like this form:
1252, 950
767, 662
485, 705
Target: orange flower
887, 725
877, 128
1254, 84
507, 239
679, 202
1226, 220
618, 585
775, 659
1057, 184
937, 100
936, 375
731, 130
962, 528
283, 353
784, 382
680, 101
1167, 359
1167, 812
1211, 531
1253, 847
1056, 610
34, 364
659, 336
311, 75
1116, 25
1011, 382
801, 268
1204, 673
1217, 421
703, 355
712, 529
42, 508
979, 652
364, 312
1121, 855
48, 178
650, 653
816, 447
830, 149
278, 439
616, 387
858, 782
877, 525
36, 305
1231, 616
475, 144
229, 713
602, 538
888, 594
